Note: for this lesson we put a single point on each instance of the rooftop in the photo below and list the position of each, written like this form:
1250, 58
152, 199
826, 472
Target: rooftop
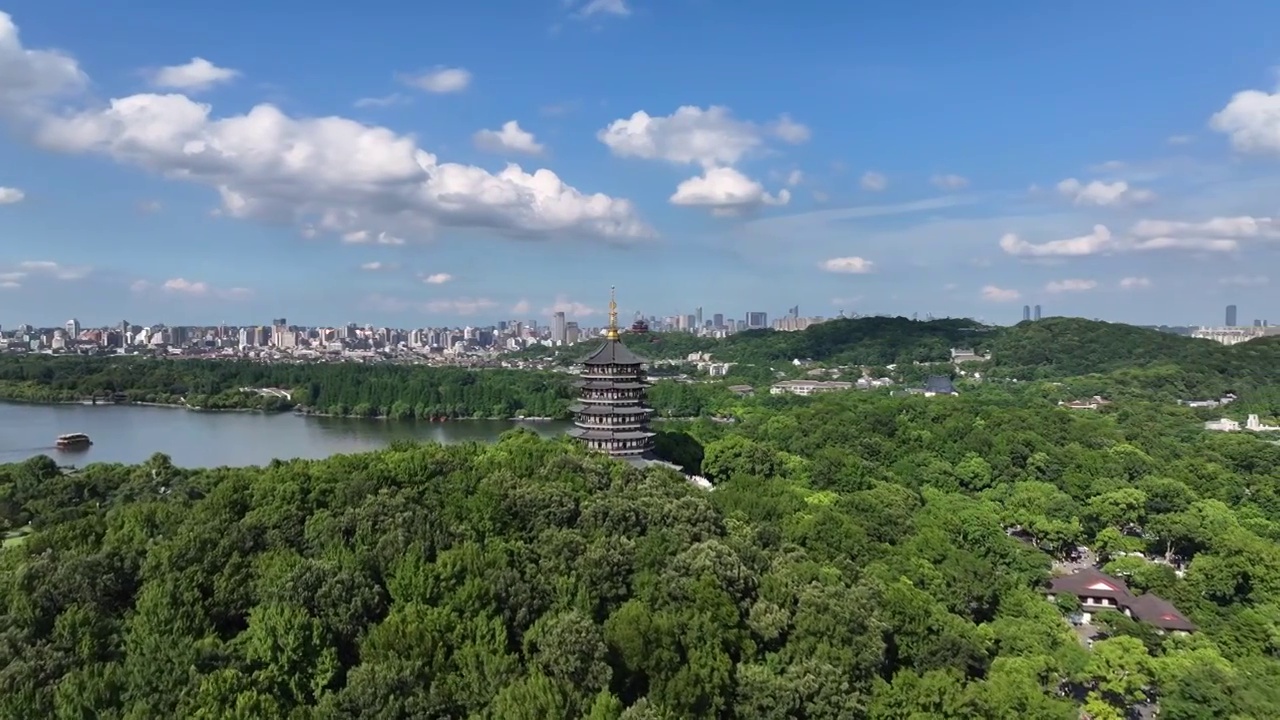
613, 352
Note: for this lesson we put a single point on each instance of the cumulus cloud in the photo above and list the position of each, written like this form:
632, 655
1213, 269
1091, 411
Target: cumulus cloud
569, 307
1134, 283
851, 265
440, 80
725, 191
509, 138
377, 265
1070, 285
437, 278
1103, 194
873, 181
11, 195
1218, 235
31, 79
691, 135
521, 307
949, 182
712, 138
182, 287
1099, 240
197, 75
328, 174
795, 177
998, 294
1251, 120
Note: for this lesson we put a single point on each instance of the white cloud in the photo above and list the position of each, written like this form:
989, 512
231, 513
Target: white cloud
569, 307
377, 265
191, 288
437, 278
1103, 194
521, 307
1070, 285
1180, 139
873, 181
150, 207
510, 138
9, 285
197, 75
726, 192
1251, 120
440, 80
11, 195
329, 174
618, 8
1134, 283
794, 178
30, 79
362, 237
1242, 227
690, 135
790, 131
1245, 280
851, 265
949, 182
997, 294
48, 268
1095, 242
1101, 242
382, 101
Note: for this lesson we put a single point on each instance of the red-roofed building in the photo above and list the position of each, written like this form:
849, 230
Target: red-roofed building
1098, 591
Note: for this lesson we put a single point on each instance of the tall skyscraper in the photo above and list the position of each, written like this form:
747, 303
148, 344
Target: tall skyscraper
1037, 312
757, 320
1231, 316
558, 328
698, 318
794, 311
718, 320
1026, 312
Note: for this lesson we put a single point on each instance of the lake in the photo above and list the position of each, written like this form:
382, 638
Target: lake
131, 434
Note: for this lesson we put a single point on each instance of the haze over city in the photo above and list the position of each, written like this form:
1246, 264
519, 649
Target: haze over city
519, 158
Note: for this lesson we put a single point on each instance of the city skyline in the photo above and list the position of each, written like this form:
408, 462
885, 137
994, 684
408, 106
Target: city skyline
188, 168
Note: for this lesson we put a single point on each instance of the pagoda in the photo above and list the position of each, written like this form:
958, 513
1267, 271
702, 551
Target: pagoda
611, 415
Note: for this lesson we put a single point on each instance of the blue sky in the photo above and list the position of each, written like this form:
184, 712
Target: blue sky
336, 163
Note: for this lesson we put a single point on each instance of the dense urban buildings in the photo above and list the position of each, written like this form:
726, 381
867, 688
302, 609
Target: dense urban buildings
611, 415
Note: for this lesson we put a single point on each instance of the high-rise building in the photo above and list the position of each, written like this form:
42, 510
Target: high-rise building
697, 318
794, 312
717, 320
757, 320
558, 328
1026, 313
611, 415
1037, 313
1231, 316
73, 329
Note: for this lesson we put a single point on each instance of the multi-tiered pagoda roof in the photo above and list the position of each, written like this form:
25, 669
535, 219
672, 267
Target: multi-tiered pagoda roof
611, 414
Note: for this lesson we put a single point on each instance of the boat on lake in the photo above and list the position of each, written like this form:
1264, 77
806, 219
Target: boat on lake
72, 441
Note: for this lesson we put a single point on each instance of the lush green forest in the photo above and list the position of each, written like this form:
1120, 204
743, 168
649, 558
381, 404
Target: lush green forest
396, 391
852, 561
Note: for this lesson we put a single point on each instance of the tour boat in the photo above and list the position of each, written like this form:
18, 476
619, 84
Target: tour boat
73, 441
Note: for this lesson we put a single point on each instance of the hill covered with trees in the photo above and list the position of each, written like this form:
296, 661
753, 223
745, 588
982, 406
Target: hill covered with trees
852, 561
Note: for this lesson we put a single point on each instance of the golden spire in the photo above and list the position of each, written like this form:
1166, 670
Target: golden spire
612, 332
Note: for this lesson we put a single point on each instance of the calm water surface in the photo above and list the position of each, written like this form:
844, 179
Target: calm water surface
130, 434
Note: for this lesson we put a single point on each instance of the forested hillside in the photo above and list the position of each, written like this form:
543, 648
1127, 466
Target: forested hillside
852, 562
1057, 348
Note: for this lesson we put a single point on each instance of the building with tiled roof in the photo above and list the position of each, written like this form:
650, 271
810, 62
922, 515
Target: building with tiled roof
1098, 591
